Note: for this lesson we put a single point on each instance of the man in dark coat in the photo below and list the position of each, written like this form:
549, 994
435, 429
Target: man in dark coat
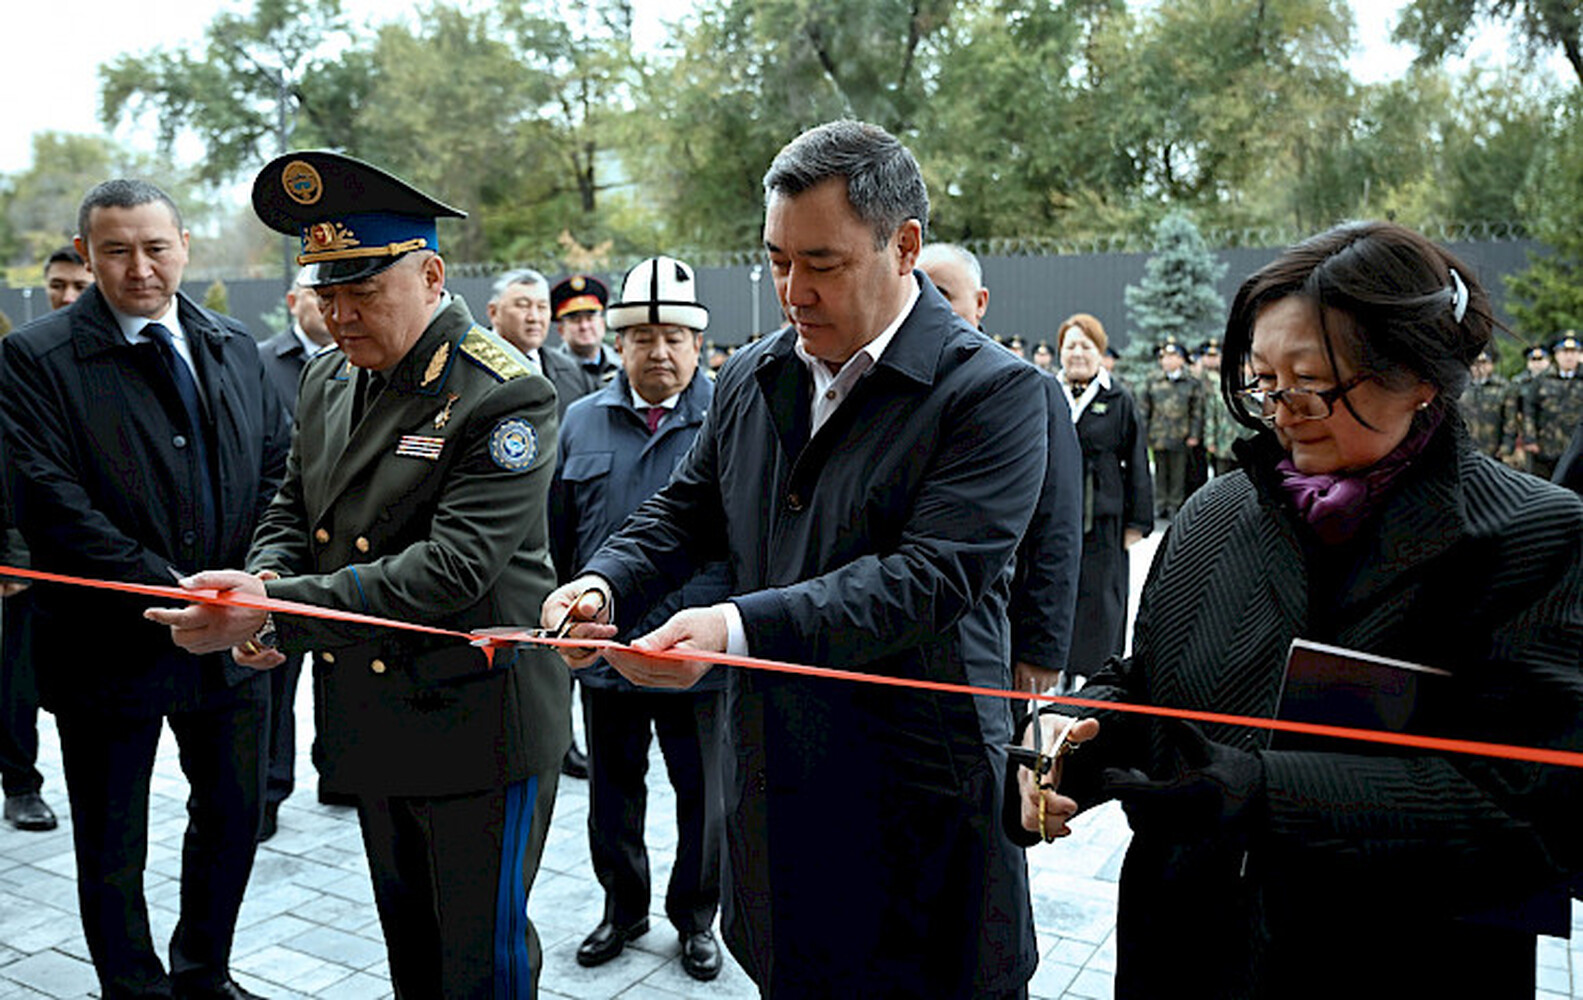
1044, 582
868, 472
519, 310
284, 356
142, 436
66, 277
618, 447
415, 490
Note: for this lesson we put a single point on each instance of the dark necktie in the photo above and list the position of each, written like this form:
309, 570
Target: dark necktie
187, 389
369, 385
654, 416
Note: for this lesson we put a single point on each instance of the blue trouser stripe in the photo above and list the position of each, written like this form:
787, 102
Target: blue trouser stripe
513, 968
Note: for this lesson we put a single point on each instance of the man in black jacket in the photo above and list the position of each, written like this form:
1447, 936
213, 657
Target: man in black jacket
142, 437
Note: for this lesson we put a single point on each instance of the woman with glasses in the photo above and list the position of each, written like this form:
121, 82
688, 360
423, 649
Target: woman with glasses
1362, 518
1118, 494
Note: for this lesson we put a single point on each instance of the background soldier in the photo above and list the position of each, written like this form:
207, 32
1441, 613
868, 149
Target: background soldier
1220, 429
1484, 405
416, 490
1172, 406
1555, 405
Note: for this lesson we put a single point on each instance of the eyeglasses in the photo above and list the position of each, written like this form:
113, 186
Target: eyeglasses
1304, 404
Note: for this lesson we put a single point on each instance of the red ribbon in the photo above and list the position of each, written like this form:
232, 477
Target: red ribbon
492, 639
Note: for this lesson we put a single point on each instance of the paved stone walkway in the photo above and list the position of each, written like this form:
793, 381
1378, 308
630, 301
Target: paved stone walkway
308, 927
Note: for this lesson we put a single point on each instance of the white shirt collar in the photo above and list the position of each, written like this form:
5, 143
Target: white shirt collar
642, 405
830, 389
1099, 383
132, 326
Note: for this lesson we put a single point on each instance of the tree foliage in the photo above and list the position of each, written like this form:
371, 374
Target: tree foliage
262, 79
1068, 120
1549, 294
1441, 28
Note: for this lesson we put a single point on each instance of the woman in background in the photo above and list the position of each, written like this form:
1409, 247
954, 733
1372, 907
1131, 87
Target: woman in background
1118, 495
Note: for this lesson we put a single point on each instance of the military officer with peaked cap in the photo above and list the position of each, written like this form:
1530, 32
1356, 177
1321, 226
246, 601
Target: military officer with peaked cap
578, 305
415, 490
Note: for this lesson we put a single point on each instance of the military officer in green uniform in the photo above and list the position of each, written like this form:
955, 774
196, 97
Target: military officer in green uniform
416, 490
1172, 406
1484, 405
1555, 405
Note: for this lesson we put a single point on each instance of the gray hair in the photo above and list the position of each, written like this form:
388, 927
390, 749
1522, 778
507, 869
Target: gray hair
122, 193
521, 276
883, 183
967, 258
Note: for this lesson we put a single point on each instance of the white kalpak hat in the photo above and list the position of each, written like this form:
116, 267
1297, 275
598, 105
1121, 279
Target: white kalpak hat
660, 290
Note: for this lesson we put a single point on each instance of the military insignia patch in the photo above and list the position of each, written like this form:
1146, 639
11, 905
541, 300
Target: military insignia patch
578, 284
436, 363
513, 445
302, 183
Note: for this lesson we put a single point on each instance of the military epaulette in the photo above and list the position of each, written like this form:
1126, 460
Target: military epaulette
483, 351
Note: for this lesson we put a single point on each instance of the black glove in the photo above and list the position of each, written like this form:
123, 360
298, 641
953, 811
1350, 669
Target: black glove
1209, 791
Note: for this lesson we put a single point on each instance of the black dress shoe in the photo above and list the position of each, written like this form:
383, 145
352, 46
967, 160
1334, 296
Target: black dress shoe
701, 955
575, 763
29, 811
268, 827
228, 990
607, 941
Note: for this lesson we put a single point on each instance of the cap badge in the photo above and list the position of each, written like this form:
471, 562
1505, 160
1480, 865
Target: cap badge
578, 284
302, 183
437, 365
325, 236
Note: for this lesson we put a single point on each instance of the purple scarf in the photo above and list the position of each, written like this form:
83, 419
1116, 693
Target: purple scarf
1336, 504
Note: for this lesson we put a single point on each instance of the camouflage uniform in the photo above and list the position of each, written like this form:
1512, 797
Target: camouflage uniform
1484, 409
1173, 409
1220, 430
1555, 407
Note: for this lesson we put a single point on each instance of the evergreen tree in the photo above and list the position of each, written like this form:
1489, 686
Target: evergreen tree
1177, 299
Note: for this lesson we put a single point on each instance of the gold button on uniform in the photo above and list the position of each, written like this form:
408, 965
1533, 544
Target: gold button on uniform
321, 536
377, 666
327, 657
361, 543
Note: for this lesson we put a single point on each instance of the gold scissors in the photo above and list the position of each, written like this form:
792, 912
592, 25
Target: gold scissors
1042, 763
559, 632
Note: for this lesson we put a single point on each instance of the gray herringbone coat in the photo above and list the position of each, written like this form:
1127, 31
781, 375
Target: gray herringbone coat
1368, 868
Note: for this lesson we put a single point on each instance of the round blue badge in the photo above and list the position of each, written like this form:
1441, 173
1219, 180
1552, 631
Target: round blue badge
513, 445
